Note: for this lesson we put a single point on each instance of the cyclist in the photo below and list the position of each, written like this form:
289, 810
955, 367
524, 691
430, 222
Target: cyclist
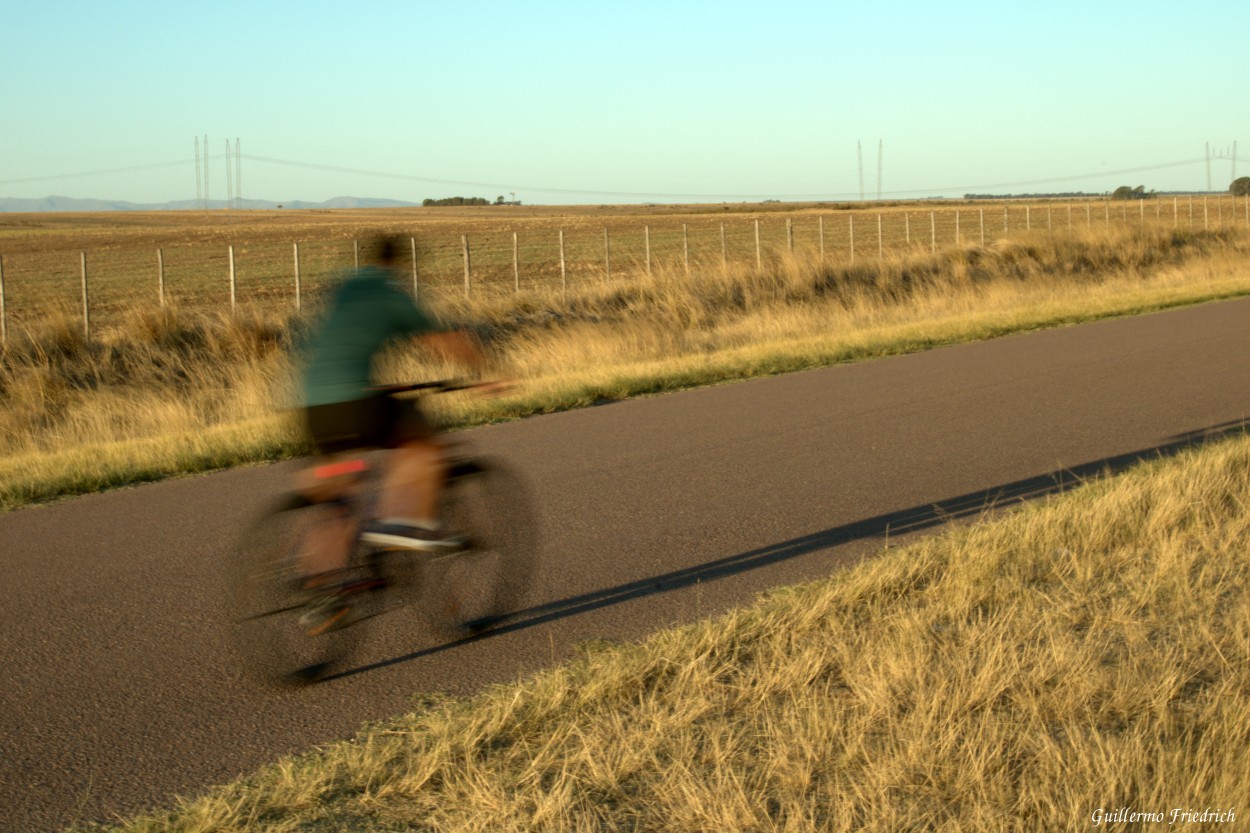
344, 412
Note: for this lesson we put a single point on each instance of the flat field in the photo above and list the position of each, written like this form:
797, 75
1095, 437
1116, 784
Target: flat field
129, 256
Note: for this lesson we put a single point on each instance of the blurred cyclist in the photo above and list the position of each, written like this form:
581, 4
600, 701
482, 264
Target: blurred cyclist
344, 411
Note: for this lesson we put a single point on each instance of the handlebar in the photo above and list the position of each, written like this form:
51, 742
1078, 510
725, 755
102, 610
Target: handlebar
439, 386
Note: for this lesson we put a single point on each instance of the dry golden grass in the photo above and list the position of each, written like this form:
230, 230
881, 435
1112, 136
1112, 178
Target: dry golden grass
167, 392
1087, 653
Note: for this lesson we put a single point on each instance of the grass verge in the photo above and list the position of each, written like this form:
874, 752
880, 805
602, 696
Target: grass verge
1038, 671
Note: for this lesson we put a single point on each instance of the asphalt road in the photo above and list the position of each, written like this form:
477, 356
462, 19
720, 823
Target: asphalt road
118, 691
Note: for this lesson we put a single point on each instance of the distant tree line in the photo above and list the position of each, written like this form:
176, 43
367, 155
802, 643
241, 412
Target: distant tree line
1124, 192
457, 201
1240, 186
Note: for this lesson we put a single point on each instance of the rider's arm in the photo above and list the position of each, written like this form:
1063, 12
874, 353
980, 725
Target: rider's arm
458, 346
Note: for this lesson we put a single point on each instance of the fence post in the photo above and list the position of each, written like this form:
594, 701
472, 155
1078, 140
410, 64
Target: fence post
232, 281
86, 308
685, 248
160, 276
724, 248
516, 263
932, 234
564, 284
299, 301
1141, 204
607, 256
464, 242
821, 224
646, 237
790, 234
1028, 219
851, 224
956, 226
4, 322
1106, 214
1205, 224
356, 253
759, 259
415, 288
1089, 222
982, 211
880, 241
1006, 227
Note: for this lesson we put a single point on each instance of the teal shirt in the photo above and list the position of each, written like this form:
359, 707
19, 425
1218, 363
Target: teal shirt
367, 310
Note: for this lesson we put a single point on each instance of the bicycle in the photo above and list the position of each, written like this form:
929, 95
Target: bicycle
463, 592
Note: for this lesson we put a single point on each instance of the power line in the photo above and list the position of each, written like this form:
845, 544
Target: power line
586, 192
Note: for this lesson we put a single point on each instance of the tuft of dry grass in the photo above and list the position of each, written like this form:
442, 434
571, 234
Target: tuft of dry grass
75, 410
1078, 655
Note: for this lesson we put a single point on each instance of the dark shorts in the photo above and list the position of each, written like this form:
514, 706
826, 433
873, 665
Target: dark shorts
380, 421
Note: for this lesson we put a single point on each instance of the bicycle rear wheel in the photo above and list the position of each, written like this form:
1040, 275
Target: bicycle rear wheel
476, 588
269, 606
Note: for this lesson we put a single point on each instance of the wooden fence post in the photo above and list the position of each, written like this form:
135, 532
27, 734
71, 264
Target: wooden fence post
1006, 228
299, 301
821, 223
982, 210
232, 281
685, 248
851, 224
356, 253
415, 287
4, 321
956, 226
607, 256
907, 227
759, 258
564, 284
160, 276
646, 236
880, 241
1028, 219
464, 242
724, 248
790, 234
516, 263
932, 234
86, 307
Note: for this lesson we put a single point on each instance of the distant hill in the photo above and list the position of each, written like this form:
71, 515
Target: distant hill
15, 205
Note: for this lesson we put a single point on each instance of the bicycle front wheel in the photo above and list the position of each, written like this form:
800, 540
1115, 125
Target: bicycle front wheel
277, 630
476, 588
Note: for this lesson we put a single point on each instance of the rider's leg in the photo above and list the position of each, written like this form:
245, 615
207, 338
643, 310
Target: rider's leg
413, 482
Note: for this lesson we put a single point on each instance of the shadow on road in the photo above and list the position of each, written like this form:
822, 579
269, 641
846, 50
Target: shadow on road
902, 522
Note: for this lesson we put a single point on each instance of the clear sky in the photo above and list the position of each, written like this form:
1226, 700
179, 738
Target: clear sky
593, 102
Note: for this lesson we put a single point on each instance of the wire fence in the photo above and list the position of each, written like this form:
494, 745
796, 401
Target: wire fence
101, 285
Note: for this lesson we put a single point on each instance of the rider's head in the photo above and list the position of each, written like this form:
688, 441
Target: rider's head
388, 248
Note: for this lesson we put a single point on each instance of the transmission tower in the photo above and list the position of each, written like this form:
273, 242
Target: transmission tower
206, 189
238, 175
229, 177
880, 145
199, 189
1208, 167
859, 150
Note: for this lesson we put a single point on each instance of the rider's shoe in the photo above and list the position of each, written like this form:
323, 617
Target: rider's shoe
408, 535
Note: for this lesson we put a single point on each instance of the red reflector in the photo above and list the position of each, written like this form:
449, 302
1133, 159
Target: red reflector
339, 469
